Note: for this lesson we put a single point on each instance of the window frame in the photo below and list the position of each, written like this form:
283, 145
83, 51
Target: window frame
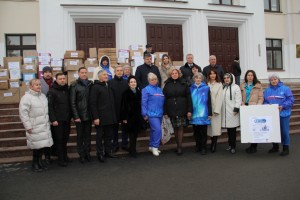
270, 7
20, 47
273, 49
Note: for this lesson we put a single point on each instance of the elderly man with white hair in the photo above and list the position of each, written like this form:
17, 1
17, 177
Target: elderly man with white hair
213, 65
278, 93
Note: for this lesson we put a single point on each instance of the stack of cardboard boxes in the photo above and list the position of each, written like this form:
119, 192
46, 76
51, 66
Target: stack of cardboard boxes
136, 54
44, 60
91, 63
111, 53
72, 62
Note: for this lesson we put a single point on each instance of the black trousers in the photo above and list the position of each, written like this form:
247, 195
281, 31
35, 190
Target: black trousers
231, 137
200, 134
104, 134
60, 137
132, 134
84, 129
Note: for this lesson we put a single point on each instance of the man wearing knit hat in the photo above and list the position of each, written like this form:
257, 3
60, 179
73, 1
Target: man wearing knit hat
47, 80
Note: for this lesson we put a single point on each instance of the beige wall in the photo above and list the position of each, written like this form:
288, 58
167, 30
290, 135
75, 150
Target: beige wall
18, 17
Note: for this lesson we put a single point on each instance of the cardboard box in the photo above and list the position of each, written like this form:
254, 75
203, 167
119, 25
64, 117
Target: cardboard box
44, 59
30, 53
72, 76
32, 67
91, 61
30, 60
10, 96
74, 54
4, 84
56, 70
14, 83
68, 62
12, 62
4, 74
93, 52
23, 89
28, 76
56, 62
73, 67
136, 47
178, 64
135, 53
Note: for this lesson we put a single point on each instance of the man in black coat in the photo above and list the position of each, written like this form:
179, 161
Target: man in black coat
119, 86
142, 72
102, 105
236, 69
79, 96
213, 65
60, 115
186, 70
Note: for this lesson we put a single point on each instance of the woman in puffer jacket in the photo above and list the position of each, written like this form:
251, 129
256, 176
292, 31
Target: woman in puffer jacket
232, 99
152, 110
33, 111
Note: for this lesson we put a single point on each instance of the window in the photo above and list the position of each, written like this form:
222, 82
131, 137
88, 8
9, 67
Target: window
272, 5
274, 53
17, 44
223, 2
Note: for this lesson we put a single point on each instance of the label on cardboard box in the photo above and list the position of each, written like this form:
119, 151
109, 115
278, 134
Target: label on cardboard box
76, 76
43, 60
56, 68
13, 65
73, 62
28, 60
15, 74
56, 62
29, 67
8, 94
3, 73
28, 77
14, 84
74, 54
91, 69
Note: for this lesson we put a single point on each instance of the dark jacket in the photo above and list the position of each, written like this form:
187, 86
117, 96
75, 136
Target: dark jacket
79, 96
131, 109
142, 72
102, 103
187, 72
236, 69
119, 86
59, 103
218, 68
178, 100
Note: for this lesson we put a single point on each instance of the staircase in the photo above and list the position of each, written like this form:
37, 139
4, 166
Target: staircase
13, 140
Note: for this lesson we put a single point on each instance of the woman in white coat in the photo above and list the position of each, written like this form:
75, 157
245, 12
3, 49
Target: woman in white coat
216, 92
232, 99
33, 111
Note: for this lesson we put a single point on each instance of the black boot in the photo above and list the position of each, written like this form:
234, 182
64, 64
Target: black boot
251, 149
213, 146
35, 161
275, 148
47, 152
285, 150
40, 160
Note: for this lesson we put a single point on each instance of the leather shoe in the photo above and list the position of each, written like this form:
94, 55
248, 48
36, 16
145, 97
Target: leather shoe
101, 158
110, 155
81, 159
88, 158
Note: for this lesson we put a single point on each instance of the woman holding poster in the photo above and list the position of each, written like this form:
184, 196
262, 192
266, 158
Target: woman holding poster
252, 94
232, 100
277, 93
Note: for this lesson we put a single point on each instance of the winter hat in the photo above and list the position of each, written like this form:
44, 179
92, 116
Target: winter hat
47, 69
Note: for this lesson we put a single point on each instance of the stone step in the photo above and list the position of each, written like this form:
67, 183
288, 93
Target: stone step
9, 111
295, 118
296, 106
11, 125
9, 118
5, 106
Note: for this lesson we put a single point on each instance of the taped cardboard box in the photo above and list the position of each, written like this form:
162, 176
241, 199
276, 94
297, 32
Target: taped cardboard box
44, 58
30, 53
68, 62
72, 76
14, 83
4, 84
135, 53
93, 52
12, 62
30, 60
158, 55
91, 61
73, 67
56, 62
28, 76
74, 54
23, 89
178, 64
32, 67
4, 75
15, 74
136, 47
10, 96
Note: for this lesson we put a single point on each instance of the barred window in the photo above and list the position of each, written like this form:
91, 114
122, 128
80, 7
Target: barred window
17, 44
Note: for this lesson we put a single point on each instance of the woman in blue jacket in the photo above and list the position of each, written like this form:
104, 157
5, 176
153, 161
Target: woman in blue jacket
277, 93
152, 110
202, 111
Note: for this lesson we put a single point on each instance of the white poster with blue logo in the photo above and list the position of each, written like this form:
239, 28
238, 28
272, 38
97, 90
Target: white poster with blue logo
260, 124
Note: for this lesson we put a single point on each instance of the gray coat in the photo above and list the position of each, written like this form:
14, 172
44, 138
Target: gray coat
45, 86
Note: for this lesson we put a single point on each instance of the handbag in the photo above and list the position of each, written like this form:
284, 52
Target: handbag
167, 130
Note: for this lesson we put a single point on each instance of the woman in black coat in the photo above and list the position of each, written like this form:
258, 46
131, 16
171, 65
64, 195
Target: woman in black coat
178, 104
131, 113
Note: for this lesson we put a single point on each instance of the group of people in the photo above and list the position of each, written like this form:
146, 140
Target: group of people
209, 100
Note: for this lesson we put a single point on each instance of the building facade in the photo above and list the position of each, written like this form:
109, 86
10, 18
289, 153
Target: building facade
264, 34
